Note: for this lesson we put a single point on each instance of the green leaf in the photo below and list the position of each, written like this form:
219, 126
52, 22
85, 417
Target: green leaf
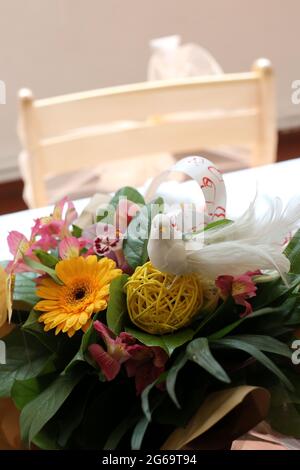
119, 432
77, 231
146, 392
222, 313
198, 351
46, 258
46, 439
139, 433
62, 347
285, 419
218, 223
47, 338
41, 267
227, 329
142, 425
130, 193
24, 391
73, 411
167, 342
254, 352
39, 411
117, 308
24, 297
266, 343
25, 358
171, 379
294, 317
269, 292
292, 251
89, 337
135, 245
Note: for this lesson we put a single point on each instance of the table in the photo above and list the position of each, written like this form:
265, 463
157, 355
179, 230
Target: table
279, 179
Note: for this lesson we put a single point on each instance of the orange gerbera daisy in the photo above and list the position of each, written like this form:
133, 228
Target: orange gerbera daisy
85, 290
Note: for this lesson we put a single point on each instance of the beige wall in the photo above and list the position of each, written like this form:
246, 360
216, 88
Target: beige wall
58, 46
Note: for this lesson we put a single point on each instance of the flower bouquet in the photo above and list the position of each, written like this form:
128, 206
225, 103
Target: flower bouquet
141, 325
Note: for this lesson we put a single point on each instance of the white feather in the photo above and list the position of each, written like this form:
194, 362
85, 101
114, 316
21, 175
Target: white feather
236, 258
268, 226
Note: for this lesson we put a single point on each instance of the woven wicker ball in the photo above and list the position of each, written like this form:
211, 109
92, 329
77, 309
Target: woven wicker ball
161, 303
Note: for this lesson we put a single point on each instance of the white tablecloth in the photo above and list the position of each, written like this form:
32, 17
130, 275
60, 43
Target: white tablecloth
280, 179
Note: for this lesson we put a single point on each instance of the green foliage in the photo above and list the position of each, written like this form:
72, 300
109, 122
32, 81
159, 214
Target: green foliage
76, 231
120, 431
292, 251
251, 348
179, 363
130, 193
135, 245
276, 290
139, 433
46, 259
199, 352
41, 268
146, 395
24, 297
168, 342
26, 358
116, 315
39, 411
24, 391
217, 224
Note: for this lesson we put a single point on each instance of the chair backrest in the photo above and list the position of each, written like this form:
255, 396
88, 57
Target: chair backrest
77, 131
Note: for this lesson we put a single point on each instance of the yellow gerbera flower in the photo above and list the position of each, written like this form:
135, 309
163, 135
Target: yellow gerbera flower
85, 290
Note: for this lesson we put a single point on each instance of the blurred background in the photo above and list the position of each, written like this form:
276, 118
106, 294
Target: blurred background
55, 47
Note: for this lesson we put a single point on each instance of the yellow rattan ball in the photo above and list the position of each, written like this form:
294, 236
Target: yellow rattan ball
161, 303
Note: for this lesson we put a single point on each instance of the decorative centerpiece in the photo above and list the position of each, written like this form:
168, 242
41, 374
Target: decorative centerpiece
141, 325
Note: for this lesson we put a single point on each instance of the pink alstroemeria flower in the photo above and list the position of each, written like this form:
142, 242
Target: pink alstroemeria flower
110, 361
20, 246
46, 234
59, 222
144, 363
71, 247
240, 287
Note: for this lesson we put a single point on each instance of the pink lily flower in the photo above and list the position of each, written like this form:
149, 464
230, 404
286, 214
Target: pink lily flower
240, 287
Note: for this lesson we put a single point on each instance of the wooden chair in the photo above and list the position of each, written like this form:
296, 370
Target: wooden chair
77, 132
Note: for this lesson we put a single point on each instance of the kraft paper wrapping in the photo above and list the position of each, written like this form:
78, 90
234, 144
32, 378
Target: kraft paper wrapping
223, 417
